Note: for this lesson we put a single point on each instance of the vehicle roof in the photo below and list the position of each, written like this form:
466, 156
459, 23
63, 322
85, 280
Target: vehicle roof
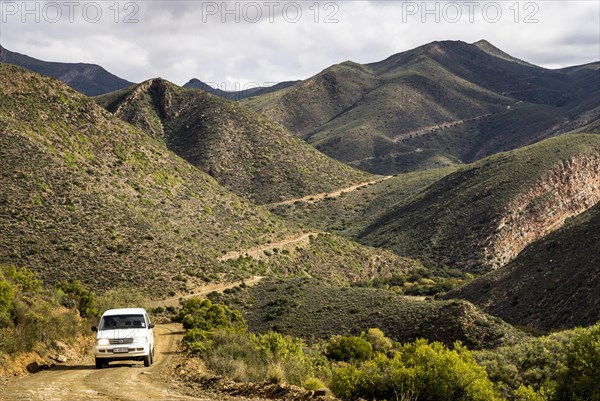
125, 311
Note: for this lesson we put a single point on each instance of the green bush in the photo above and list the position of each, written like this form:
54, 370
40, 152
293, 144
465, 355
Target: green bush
533, 363
257, 357
197, 313
25, 279
420, 371
235, 355
526, 393
76, 296
276, 346
200, 317
378, 340
313, 384
285, 356
7, 295
581, 379
31, 318
349, 349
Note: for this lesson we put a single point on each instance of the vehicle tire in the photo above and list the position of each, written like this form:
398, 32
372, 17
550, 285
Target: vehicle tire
148, 359
99, 363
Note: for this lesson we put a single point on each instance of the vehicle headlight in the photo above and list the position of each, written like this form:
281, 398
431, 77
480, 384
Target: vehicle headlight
102, 341
142, 340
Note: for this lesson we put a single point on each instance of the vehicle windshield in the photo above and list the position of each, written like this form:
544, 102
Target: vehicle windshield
115, 322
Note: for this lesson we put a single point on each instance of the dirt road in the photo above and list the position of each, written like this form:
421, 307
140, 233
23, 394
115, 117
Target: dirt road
125, 381
427, 130
259, 251
202, 290
334, 194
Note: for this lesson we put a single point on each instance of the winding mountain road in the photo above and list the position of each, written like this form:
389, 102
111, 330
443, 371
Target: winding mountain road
201, 291
259, 251
333, 194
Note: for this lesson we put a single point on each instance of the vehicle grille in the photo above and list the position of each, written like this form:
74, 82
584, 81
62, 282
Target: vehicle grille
118, 341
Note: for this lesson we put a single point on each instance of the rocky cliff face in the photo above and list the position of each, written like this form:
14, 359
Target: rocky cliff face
569, 189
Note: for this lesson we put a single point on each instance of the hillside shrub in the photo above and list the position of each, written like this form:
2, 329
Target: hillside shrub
533, 363
349, 349
378, 340
26, 280
31, 318
581, 379
526, 393
76, 296
197, 313
200, 317
7, 294
284, 354
418, 370
258, 357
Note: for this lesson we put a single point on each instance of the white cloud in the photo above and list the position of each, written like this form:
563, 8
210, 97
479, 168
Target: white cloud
179, 40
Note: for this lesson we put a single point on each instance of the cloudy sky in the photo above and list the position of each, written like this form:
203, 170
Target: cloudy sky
234, 43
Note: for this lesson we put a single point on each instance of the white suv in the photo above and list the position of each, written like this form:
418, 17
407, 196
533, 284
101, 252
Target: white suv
124, 334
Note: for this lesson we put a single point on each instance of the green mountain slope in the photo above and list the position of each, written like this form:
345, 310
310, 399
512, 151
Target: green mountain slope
330, 258
552, 284
352, 212
85, 195
482, 216
312, 309
246, 153
432, 106
89, 79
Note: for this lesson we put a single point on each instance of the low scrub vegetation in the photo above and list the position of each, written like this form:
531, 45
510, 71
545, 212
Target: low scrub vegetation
31, 318
354, 263
419, 370
556, 367
421, 282
312, 309
370, 366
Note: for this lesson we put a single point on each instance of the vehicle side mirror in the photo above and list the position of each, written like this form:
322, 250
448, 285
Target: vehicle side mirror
151, 326
94, 328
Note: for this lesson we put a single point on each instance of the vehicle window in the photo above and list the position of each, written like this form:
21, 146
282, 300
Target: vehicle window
115, 322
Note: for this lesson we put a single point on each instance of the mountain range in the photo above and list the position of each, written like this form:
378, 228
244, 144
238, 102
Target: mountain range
439, 104
87, 196
93, 80
245, 152
89, 79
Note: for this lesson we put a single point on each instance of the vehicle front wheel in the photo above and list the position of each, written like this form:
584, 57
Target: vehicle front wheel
148, 359
99, 363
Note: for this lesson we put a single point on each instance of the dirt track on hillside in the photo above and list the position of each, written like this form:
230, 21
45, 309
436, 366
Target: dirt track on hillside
334, 194
259, 251
203, 290
121, 381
